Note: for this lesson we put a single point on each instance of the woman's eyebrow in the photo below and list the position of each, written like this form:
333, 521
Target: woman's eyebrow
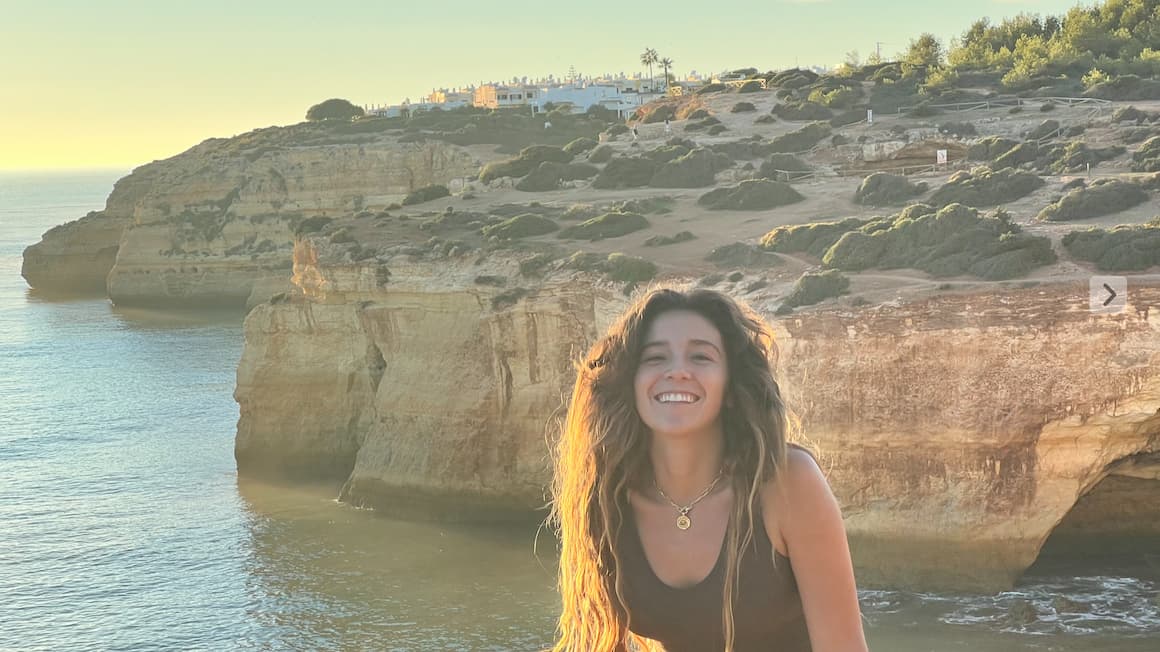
707, 343
693, 342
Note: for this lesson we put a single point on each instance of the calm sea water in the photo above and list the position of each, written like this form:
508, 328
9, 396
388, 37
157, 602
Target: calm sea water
123, 525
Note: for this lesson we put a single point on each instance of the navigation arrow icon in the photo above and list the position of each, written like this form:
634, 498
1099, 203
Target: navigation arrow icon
1113, 292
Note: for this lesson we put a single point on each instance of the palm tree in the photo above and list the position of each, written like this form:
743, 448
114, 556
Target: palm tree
648, 58
666, 63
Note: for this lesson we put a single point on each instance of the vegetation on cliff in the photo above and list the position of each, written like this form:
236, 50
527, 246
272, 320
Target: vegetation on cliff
1125, 248
334, 109
883, 189
815, 287
609, 225
1101, 197
426, 194
983, 186
953, 241
754, 195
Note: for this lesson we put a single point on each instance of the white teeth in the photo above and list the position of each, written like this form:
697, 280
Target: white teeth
676, 397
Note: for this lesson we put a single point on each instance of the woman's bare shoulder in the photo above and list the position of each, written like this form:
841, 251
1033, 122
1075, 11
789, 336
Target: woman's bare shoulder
801, 483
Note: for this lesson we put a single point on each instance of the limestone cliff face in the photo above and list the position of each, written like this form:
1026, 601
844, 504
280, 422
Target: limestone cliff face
215, 224
957, 432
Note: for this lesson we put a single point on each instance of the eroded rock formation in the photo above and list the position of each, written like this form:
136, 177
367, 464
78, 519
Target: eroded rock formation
215, 224
957, 431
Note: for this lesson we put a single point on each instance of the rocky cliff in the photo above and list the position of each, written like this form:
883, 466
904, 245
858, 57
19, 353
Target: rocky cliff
957, 430
215, 224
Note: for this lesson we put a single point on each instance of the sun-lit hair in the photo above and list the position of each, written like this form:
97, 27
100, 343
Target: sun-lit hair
603, 451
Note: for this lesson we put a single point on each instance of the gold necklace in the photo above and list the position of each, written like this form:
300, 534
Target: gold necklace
683, 520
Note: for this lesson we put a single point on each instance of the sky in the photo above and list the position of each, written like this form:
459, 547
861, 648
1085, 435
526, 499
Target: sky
120, 83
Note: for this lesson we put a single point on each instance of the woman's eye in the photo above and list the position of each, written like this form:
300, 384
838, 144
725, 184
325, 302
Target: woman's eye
653, 358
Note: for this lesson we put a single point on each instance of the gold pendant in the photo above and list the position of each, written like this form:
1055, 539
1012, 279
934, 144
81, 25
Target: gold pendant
683, 522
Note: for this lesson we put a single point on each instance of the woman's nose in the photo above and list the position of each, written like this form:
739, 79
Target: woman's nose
677, 370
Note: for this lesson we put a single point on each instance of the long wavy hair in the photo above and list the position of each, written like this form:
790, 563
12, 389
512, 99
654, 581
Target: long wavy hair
603, 451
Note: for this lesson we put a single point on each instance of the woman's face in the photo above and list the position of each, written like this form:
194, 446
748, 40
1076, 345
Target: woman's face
681, 378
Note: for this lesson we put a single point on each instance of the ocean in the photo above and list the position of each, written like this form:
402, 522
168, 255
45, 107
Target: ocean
124, 526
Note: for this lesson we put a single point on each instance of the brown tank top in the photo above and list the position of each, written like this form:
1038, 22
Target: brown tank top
767, 613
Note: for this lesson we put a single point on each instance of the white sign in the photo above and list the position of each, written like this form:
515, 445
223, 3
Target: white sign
870, 116
941, 156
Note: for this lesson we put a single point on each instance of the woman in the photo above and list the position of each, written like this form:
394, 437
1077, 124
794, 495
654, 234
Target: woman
685, 518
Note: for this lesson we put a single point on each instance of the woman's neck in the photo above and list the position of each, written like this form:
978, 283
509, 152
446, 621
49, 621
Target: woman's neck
684, 467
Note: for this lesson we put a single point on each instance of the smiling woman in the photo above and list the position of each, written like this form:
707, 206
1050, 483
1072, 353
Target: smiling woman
687, 520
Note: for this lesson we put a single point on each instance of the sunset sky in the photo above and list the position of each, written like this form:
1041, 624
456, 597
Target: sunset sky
118, 83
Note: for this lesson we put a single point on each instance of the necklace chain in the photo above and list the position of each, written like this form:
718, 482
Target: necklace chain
683, 520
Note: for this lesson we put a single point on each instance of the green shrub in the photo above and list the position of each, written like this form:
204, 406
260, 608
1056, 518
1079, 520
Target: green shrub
1076, 156
990, 148
1015, 109
631, 269
743, 107
1045, 129
587, 261
311, 225
1147, 158
623, 172
601, 154
742, 254
580, 145
984, 187
609, 225
1125, 248
644, 205
1021, 154
923, 110
616, 130
711, 88
814, 239
782, 167
755, 195
662, 113
1132, 114
802, 111
765, 119
716, 129
493, 281
699, 114
801, 140
509, 298
426, 194
751, 86
1126, 87
1046, 106
814, 288
545, 177
535, 266
693, 170
581, 212
665, 240
954, 241
520, 226
666, 153
703, 123
527, 160
882, 189
1102, 197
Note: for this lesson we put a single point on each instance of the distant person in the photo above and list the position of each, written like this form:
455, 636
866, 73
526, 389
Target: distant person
547, 124
634, 134
668, 127
685, 516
